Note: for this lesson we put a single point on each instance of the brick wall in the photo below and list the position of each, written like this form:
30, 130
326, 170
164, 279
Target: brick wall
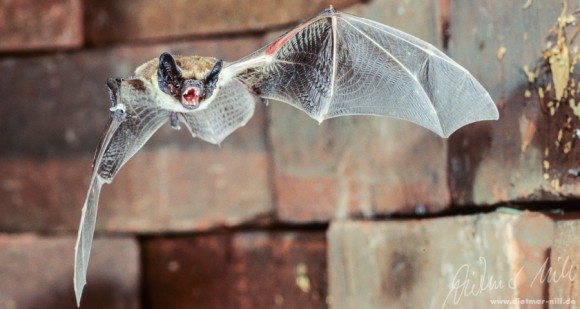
355, 213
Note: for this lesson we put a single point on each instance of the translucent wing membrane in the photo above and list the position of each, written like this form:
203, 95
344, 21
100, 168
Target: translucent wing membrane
134, 118
339, 65
232, 108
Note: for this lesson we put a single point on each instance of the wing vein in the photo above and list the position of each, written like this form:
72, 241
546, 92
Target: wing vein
411, 75
324, 110
429, 52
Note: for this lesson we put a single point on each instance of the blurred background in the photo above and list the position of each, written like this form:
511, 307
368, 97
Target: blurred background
356, 212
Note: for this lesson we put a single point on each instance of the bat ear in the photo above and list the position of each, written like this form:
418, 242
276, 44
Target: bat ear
211, 76
168, 72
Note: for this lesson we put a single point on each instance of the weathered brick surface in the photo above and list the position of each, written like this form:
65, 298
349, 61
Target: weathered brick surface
456, 262
29, 24
419, 18
504, 160
37, 272
159, 190
360, 165
243, 270
188, 190
109, 21
562, 271
54, 109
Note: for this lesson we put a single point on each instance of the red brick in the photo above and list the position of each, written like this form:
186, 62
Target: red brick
297, 197
328, 171
421, 263
33, 25
360, 165
37, 272
562, 270
500, 161
171, 190
112, 21
159, 190
58, 108
243, 270
45, 195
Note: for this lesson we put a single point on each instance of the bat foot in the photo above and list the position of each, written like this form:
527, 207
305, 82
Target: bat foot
175, 121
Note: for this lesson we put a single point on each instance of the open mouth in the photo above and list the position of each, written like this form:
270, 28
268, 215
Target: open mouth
190, 98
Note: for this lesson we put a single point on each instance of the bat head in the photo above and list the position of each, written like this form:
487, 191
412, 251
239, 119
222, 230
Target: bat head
188, 91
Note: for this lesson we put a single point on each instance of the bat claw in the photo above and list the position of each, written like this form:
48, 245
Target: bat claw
329, 10
118, 111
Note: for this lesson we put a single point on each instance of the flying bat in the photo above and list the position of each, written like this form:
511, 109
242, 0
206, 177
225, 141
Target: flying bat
334, 64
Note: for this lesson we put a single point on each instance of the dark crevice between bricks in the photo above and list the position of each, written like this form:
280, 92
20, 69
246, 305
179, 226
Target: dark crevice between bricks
185, 38
276, 227
273, 229
32, 53
557, 210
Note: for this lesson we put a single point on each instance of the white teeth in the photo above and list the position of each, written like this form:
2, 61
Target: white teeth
195, 90
191, 96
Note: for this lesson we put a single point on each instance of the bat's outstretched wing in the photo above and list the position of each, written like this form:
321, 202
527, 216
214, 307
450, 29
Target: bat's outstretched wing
338, 64
134, 118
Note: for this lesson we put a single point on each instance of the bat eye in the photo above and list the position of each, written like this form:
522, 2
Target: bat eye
172, 88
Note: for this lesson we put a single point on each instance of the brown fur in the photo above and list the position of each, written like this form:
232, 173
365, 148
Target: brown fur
191, 67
